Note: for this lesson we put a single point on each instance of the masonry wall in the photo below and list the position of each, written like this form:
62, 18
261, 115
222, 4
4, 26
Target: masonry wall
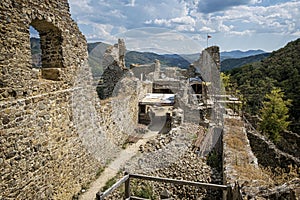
42, 155
267, 153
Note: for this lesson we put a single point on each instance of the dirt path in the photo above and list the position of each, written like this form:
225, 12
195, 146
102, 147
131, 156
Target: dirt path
113, 168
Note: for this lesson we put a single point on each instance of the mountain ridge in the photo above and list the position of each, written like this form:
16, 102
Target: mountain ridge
240, 54
232, 63
96, 51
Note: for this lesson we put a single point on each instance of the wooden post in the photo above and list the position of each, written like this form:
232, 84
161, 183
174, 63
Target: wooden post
127, 186
99, 196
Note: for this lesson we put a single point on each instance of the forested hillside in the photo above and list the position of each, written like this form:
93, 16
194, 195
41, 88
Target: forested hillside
170, 60
232, 63
281, 69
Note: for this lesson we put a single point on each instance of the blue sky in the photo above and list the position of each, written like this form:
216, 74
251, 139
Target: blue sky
181, 26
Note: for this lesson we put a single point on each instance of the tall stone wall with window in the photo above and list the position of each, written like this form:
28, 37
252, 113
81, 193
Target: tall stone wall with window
42, 155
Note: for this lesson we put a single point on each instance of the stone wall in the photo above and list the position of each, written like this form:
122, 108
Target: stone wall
143, 72
268, 154
289, 143
43, 154
209, 67
246, 155
114, 68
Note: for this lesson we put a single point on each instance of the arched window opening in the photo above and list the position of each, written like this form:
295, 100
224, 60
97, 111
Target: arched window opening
50, 41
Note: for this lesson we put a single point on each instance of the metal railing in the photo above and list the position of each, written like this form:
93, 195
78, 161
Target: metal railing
227, 189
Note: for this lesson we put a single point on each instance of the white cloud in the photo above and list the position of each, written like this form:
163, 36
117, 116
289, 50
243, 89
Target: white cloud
242, 33
184, 20
106, 18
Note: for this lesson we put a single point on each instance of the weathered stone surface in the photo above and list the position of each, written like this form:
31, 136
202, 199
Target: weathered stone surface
114, 69
52, 73
243, 150
41, 155
171, 156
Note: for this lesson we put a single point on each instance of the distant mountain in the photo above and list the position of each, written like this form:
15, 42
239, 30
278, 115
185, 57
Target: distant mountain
96, 51
191, 57
35, 46
149, 57
232, 63
36, 52
239, 54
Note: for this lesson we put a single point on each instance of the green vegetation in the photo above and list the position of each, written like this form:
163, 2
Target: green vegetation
274, 114
99, 171
109, 183
148, 57
143, 190
282, 70
231, 89
214, 159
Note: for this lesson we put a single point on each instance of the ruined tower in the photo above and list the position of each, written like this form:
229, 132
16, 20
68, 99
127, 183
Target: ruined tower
41, 155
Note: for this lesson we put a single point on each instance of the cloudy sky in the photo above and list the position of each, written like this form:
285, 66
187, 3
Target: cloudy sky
181, 26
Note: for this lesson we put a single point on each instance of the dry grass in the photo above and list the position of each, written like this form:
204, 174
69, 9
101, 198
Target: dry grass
244, 170
237, 143
253, 175
281, 176
234, 122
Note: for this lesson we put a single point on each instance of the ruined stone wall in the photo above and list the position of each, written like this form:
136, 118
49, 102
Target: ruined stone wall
143, 72
42, 155
114, 68
209, 67
244, 152
119, 114
267, 153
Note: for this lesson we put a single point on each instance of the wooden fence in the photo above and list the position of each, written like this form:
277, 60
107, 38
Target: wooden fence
227, 189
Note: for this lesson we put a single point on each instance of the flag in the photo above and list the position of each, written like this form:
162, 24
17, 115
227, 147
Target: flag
208, 36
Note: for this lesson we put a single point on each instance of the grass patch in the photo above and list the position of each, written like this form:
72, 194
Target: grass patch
99, 171
281, 176
109, 183
143, 190
214, 160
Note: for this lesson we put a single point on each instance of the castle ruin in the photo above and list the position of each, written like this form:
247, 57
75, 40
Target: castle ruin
55, 136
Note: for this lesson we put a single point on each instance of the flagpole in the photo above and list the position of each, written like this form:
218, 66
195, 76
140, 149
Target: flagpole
207, 40
207, 37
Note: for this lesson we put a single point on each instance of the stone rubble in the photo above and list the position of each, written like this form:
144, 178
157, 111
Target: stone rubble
171, 156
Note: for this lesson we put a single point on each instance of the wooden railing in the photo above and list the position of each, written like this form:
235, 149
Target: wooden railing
227, 189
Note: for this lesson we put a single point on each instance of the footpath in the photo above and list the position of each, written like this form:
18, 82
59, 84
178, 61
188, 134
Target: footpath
113, 168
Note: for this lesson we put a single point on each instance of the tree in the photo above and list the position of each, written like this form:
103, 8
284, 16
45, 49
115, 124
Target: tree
231, 89
274, 114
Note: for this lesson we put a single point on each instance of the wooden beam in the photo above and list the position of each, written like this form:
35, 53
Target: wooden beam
179, 182
100, 195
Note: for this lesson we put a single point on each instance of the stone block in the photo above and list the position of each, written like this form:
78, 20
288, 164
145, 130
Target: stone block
51, 74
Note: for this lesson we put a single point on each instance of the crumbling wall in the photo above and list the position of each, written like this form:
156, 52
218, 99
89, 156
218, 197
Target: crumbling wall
244, 152
42, 155
268, 154
143, 72
114, 68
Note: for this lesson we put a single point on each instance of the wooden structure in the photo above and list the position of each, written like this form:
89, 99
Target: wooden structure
227, 189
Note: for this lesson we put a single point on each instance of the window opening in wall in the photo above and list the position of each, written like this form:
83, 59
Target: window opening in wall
35, 47
50, 42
